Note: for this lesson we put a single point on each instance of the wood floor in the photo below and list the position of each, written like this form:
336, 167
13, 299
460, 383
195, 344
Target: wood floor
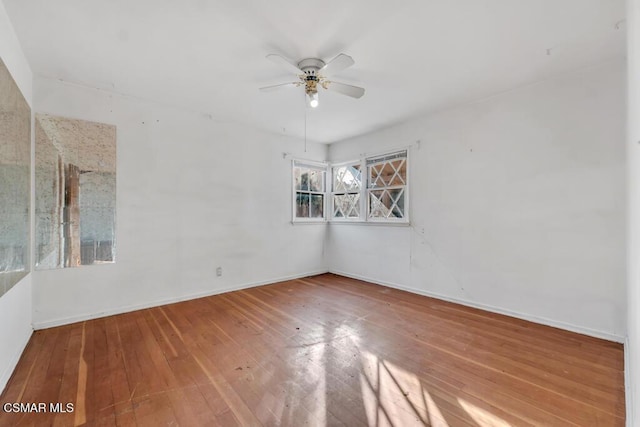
324, 350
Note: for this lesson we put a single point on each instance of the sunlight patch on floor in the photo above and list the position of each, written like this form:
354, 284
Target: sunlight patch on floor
481, 416
395, 396
315, 373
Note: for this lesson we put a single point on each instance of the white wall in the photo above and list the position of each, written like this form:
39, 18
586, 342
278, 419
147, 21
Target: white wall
632, 347
15, 327
15, 305
192, 194
521, 198
13, 57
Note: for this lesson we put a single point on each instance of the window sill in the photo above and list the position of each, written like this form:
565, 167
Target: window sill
374, 223
319, 222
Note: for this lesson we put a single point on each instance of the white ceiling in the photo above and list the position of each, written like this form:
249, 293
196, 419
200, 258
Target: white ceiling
412, 56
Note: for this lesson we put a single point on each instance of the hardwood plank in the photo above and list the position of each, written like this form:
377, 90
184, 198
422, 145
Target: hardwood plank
21, 377
118, 376
323, 350
28, 389
525, 387
69, 387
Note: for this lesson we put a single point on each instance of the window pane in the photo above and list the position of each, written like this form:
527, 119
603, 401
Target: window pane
302, 205
346, 206
304, 179
397, 209
388, 174
317, 206
377, 209
347, 178
399, 176
296, 178
316, 180
386, 203
301, 178
375, 177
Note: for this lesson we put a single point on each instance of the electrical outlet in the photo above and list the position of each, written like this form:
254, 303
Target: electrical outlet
219, 271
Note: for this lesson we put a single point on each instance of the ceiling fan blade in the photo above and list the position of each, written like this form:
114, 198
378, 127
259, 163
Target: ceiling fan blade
345, 89
337, 64
280, 86
282, 61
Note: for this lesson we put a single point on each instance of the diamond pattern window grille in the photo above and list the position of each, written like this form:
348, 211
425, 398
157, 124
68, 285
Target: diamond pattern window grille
386, 189
346, 206
347, 179
388, 174
347, 184
372, 189
386, 203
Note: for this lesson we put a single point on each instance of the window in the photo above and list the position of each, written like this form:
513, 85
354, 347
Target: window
346, 185
387, 187
372, 189
309, 191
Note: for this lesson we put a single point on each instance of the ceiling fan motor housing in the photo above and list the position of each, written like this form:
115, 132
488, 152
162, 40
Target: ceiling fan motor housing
310, 66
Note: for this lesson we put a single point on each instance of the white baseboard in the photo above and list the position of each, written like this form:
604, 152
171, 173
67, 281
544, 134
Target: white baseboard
11, 366
541, 320
531, 318
126, 309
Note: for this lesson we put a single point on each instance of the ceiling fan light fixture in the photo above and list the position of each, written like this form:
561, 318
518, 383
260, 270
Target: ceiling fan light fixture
314, 72
313, 99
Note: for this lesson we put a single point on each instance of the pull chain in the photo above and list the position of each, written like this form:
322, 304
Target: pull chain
305, 122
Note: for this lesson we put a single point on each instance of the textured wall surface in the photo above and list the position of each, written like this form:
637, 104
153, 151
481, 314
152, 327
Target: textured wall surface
194, 194
517, 204
15, 305
15, 161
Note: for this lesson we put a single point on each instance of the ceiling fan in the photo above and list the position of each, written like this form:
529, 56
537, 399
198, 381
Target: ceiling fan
314, 73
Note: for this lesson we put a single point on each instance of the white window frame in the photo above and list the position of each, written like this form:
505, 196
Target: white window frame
311, 165
332, 193
364, 190
328, 193
367, 190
